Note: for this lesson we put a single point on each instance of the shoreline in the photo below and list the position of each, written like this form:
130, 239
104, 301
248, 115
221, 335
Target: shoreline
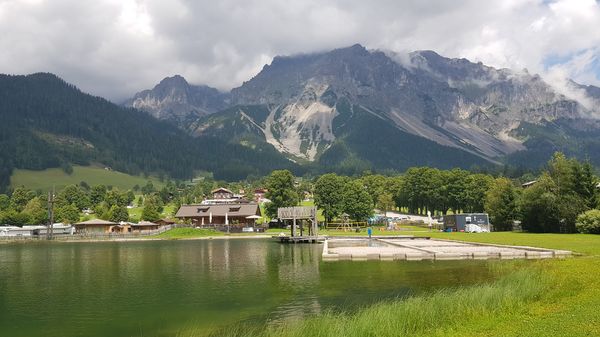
138, 239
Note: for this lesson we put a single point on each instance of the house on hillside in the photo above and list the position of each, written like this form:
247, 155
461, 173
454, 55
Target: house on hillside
259, 194
224, 196
239, 215
221, 193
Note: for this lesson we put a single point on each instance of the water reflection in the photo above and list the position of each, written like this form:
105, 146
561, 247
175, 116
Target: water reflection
156, 288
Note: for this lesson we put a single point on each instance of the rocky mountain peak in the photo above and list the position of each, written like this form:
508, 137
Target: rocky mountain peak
173, 98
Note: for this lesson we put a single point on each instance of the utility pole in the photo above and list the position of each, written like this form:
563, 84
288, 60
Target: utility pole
50, 228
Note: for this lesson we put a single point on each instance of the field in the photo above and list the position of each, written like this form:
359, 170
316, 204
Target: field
44, 180
531, 298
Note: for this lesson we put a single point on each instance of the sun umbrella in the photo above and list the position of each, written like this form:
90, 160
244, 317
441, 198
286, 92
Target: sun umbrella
226, 219
210, 217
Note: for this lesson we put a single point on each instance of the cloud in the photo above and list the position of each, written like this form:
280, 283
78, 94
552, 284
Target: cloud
114, 48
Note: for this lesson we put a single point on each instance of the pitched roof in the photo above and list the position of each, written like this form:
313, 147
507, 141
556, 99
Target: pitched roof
97, 222
221, 189
190, 211
144, 223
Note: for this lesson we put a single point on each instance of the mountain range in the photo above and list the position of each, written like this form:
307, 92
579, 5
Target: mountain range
347, 110
353, 108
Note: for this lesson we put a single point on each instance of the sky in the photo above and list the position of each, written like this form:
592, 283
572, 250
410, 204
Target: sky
114, 48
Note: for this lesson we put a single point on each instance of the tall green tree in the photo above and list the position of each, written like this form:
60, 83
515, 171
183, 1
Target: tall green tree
281, 192
501, 204
357, 201
118, 213
4, 202
374, 185
36, 211
329, 195
539, 206
66, 214
14, 218
97, 194
385, 202
73, 194
150, 211
20, 197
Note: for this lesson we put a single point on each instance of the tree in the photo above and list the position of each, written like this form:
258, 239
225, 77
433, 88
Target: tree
281, 192
584, 183
150, 211
374, 185
118, 213
543, 209
14, 218
329, 190
20, 197
116, 197
476, 189
385, 203
68, 214
73, 194
4, 202
36, 211
501, 204
97, 194
148, 188
589, 222
357, 201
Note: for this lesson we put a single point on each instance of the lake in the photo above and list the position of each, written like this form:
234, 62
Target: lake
161, 288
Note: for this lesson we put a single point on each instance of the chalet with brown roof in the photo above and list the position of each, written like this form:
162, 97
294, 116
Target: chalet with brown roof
222, 193
239, 214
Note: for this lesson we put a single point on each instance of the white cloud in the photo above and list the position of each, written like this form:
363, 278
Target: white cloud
116, 47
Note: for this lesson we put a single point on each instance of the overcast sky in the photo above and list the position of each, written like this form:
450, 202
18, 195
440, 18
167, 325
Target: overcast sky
114, 48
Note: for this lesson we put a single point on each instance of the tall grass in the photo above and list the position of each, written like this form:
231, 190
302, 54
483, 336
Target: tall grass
432, 314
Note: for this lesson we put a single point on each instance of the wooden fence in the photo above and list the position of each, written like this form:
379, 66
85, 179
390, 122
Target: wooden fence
94, 236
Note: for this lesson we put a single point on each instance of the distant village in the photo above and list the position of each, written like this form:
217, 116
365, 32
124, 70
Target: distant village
223, 210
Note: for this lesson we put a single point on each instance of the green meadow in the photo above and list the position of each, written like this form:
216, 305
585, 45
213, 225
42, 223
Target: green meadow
45, 180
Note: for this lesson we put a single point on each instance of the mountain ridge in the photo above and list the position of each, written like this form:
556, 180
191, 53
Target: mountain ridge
451, 101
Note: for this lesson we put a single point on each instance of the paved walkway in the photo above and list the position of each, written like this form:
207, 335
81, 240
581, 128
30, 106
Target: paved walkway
415, 249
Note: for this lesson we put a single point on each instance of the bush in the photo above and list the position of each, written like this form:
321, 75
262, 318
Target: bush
589, 222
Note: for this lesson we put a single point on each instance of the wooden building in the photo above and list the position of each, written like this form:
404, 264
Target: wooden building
240, 214
222, 193
144, 226
95, 226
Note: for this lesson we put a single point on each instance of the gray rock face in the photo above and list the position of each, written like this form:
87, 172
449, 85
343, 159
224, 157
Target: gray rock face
308, 101
454, 102
176, 100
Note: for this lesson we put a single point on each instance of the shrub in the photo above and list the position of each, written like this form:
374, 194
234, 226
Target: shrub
589, 222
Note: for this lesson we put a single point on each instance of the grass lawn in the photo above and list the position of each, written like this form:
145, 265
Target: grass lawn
44, 180
556, 297
187, 233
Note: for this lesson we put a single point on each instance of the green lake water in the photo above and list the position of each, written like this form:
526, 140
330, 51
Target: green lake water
164, 288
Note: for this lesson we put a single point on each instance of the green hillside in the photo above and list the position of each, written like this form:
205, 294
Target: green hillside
45, 179
48, 123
